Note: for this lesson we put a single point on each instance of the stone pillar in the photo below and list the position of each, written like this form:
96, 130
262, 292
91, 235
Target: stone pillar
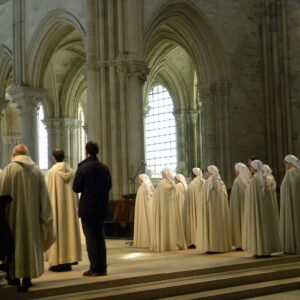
195, 139
3, 105
278, 103
28, 99
183, 141
216, 146
60, 135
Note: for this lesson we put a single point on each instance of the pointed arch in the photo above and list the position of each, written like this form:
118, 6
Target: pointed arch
53, 28
6, 68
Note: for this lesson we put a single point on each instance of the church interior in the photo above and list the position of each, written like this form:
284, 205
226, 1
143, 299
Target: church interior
156, 83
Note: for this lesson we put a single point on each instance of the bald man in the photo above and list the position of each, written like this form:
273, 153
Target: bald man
29, 216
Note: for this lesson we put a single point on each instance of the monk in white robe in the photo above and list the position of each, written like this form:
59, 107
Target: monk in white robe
67, 248
290, 206
167, 230
237, 201
271, 183
29, 216
143, 213
180, 194
213, 223
191, 207
260, 232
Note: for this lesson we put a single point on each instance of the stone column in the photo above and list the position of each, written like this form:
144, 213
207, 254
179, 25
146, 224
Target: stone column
3, 104
194, 140
28, 99
60, 135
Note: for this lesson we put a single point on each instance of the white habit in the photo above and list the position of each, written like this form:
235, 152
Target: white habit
213, 224
143, 213
191, 207
167, 229
67, 248
237, 201
180, 195
290, 210
260, 232
29, 215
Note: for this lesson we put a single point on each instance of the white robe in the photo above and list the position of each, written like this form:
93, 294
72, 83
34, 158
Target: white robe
213, 223
237, 202
29, 216
190, 210
67, 248
272, 187
180, 198
167, 230
143, 218
290, 211
260, 231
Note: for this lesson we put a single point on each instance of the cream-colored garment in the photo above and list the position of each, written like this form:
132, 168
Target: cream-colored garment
190, 210
67, 248
213, 224
260, 231
167, 230
29, 215
143, 217
290, 211
272, 186
237, 201
180, 198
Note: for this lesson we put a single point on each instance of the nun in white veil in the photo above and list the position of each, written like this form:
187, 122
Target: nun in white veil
290, 206
260, 231
237, 201
180, 194
271, 183
143, 213
167, 230
191, 207
213, 223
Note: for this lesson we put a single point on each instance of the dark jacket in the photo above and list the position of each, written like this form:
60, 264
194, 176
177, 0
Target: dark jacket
93, 181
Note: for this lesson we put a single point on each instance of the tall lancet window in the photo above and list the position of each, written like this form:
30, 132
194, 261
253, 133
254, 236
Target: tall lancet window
43, 140
82, 138
160, 131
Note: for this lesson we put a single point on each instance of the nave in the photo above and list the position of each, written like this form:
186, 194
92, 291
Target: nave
141, 274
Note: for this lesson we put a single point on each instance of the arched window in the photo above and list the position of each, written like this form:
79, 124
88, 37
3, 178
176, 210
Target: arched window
160, 132
43, 140
82, 138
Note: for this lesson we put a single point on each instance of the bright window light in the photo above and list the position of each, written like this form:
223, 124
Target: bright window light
43, 140
160, 132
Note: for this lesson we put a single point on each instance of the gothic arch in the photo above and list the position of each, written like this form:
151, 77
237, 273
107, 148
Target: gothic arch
181, 23
54, 27
6, 68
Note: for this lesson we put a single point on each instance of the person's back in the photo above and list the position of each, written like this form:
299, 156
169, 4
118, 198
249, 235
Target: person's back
67, 248
29, 216
93, 181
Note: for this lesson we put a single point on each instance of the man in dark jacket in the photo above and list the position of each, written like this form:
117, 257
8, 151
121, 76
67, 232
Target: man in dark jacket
93, 181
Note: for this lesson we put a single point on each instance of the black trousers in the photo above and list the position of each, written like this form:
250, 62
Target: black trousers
93, 229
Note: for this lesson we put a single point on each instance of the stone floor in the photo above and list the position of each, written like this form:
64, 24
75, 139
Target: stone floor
126, 261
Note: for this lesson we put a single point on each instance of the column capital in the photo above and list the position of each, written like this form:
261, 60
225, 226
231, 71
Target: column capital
26, 97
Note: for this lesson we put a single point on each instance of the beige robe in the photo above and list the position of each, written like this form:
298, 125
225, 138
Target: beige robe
29, 216
290, 211
167, 230
180, 198
213, 223
237, 201
67, 248
272, 187
190, 210
143, 217
260, 231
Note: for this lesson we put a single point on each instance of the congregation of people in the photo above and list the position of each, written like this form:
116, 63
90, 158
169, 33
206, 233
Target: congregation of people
176, 215
43, 215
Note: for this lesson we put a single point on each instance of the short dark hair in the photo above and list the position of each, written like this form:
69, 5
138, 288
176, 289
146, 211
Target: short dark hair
59, 155
92, 148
